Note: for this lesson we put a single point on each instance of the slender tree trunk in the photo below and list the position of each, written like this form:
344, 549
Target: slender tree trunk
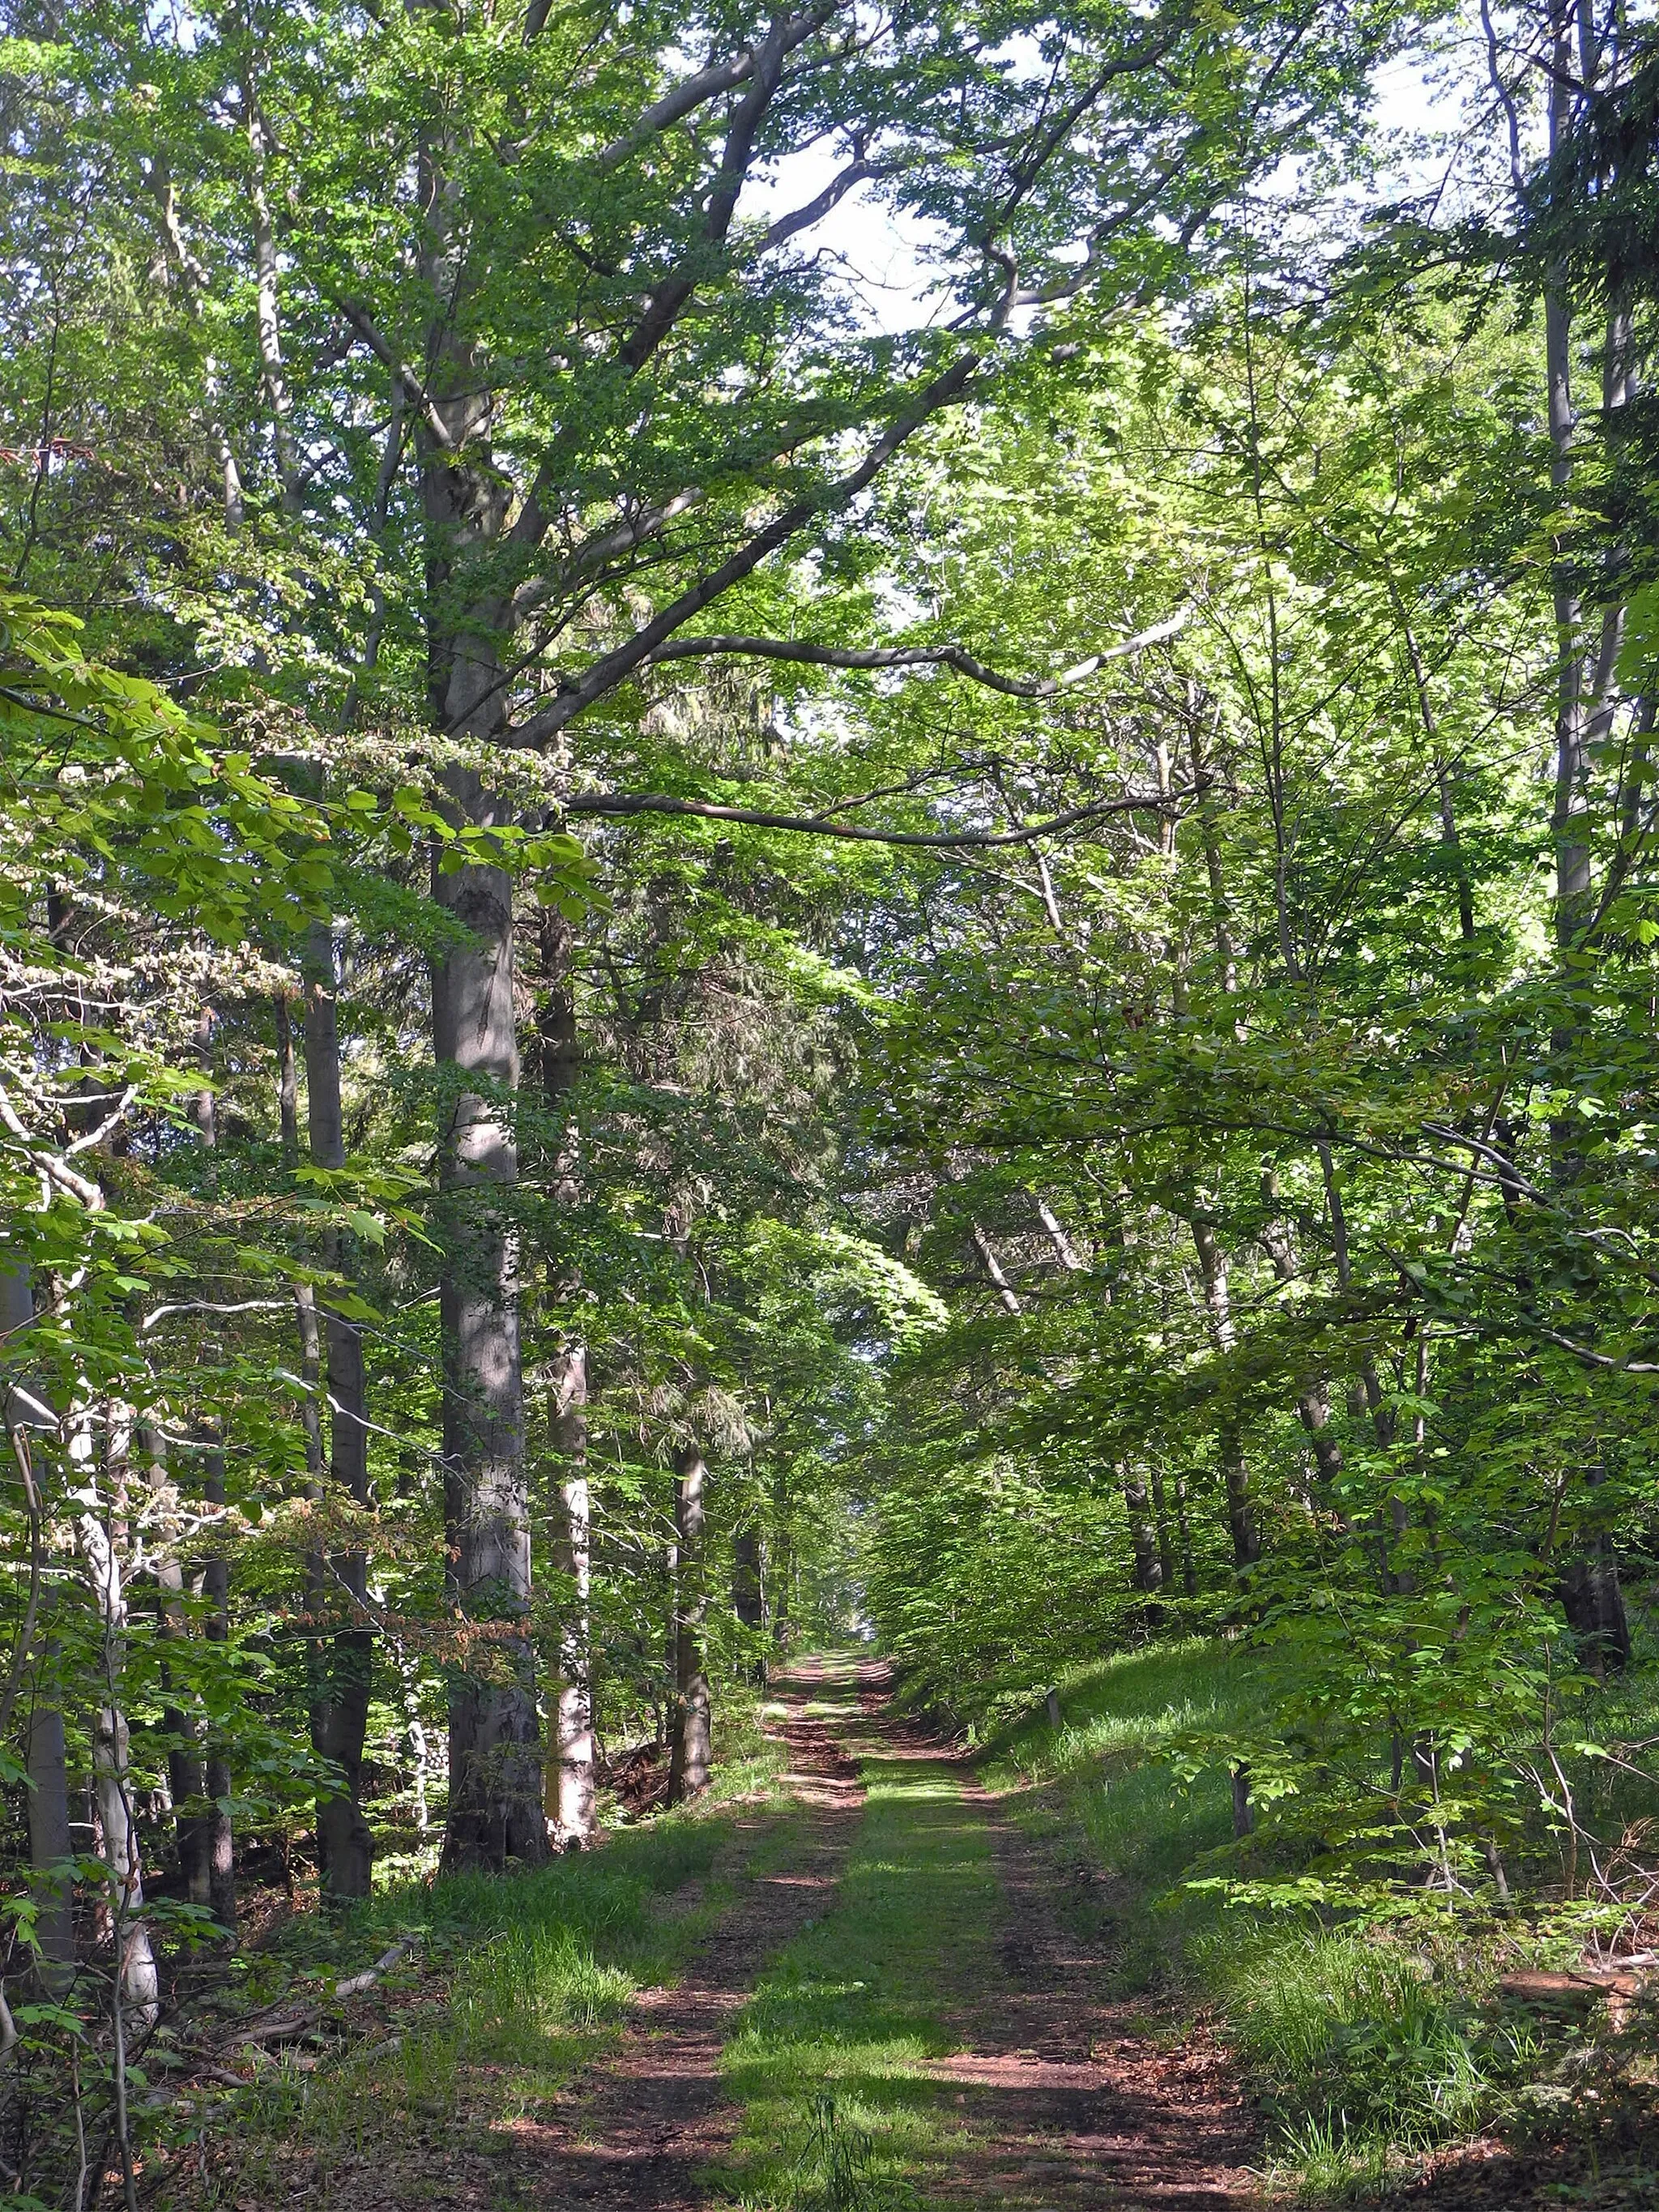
690, 1751
1166, 1567
186, 1781
141, 1988
1147, 1574
345, 1845
571, 1794
1229, 1444
222, 1840
783, 1568
1587, 704
45, 1751
748, 1599
100, 1532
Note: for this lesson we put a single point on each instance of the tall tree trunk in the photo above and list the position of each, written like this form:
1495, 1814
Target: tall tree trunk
1587, 704
496, 1813
186, 1781
690, 1749
222, 1840
345, 1845
571, 1794
100, 1525
46, 1750
570, 1779
496, 1771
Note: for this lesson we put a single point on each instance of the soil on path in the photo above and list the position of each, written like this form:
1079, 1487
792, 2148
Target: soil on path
1076, 2098
635, 2132
1070, 2098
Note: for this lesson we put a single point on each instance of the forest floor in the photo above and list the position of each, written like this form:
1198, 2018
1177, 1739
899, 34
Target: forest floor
868, 1983
861, 1991
895, 2006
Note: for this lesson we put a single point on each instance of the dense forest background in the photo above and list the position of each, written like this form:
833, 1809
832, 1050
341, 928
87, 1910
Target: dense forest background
696, 957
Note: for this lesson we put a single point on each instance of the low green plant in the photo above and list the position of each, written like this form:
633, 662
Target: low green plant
837, 2170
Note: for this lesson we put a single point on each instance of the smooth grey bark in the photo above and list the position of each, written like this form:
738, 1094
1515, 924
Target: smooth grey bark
46, 1755
1587, 700
99, 1512
496, 1810
50, 1846
571, 1774
343, 1674
138, 1978
690, 1750
287, 1084
215, 1577
185, 1779
571, 1768
221, 1839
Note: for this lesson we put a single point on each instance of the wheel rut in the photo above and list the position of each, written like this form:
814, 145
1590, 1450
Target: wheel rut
633, 2134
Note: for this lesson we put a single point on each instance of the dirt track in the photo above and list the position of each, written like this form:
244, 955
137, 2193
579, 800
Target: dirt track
1066, 2099
642, 2123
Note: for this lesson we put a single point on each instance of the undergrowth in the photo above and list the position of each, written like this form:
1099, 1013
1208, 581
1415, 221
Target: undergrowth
1362, 2046
513, 1984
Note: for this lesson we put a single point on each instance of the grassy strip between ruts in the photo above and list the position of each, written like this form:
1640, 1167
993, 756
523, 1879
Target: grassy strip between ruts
516, 1985
828, 2057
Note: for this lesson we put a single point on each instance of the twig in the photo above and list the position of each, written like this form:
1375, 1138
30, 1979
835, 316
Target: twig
354, 1984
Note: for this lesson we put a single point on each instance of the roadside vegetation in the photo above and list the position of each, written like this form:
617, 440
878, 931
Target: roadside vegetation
1365, 2043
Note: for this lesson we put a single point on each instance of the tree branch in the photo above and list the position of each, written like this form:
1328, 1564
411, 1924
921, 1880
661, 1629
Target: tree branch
818, 825
614, 667
918, 656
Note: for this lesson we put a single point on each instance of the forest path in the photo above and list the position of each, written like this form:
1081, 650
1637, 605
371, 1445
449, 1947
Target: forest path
637, 2129
908, 1956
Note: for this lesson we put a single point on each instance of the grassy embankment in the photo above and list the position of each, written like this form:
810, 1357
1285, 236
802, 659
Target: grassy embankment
1363, 2047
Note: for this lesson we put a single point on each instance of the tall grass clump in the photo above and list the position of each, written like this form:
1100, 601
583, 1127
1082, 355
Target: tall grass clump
1355, 2045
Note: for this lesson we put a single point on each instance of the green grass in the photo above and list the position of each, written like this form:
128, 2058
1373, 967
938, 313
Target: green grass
516, 1984
1359, 2047
1106, 1778
828, 2057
